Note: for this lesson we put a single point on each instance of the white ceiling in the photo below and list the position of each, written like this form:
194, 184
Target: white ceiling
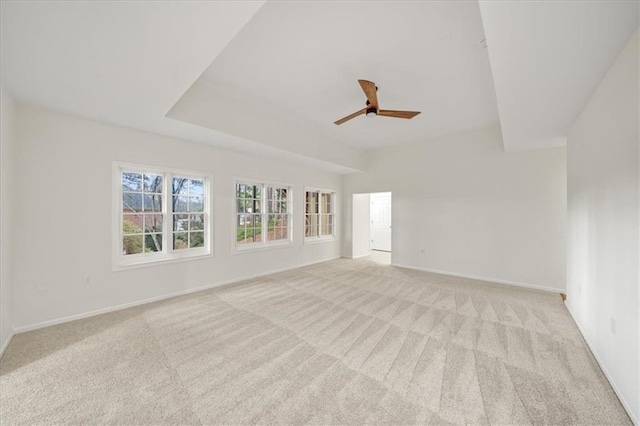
270, 78
300, 61
117, 61
125, 63
548, 58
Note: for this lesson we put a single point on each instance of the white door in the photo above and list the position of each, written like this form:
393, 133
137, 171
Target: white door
381, 221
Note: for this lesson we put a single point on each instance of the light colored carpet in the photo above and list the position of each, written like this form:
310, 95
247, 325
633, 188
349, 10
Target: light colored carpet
343, 342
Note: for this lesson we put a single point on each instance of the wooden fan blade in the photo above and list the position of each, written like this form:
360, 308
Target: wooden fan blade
369, 89
349, 117
398, 114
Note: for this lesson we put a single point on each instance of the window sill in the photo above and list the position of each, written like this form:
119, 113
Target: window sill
319, 240
261, 247
160, 261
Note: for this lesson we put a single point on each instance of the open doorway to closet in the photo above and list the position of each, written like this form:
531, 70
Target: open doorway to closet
372, 226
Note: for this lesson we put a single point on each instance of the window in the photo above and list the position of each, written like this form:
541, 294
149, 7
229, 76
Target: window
187, 206
160, 215
263, 215
319, 215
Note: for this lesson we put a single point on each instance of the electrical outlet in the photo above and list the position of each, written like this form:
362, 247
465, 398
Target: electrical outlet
422, 250
613, 325
87, 280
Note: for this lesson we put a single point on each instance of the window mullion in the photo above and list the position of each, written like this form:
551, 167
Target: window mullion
205, 214
167, 228
121, 213
320, 213
265, 214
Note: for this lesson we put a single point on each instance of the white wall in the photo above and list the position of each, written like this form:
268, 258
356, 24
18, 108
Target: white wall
603, 219
360, 225
7, 108
63, 196
473, 209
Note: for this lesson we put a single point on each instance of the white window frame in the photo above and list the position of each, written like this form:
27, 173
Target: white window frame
334, 198
121, 261
261, 245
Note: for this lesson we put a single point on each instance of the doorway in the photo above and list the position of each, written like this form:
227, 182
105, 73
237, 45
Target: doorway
371, 226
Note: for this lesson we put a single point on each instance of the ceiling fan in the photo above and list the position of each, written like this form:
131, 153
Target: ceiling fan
372, 109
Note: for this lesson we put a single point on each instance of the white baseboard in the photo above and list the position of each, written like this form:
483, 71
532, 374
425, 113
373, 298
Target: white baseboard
634, 418
475, 277
5, 345
49, 323
360, 256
